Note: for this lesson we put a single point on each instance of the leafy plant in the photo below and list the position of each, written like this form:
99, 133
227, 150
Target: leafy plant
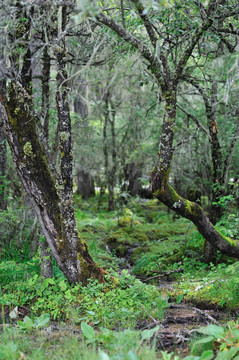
28, 324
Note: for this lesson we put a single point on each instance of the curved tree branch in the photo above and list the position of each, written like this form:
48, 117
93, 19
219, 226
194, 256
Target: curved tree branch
129, 38
196, 121
148, 26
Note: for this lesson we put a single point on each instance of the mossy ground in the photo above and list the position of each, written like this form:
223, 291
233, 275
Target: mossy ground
151, 240
140, 236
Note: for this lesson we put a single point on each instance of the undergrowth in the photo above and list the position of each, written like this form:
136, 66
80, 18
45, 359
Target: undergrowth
106, 321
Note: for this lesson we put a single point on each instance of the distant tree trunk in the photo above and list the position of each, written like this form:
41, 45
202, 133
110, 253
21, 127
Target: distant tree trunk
134, 173
85, 184
112, 171
110, 150
46, 260
84, 178
80, 102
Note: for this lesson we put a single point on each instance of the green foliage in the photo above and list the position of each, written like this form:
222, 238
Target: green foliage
4, 183
221, 343
229, 225
14, 235
106, 345
28, 324
107, 304
11, 272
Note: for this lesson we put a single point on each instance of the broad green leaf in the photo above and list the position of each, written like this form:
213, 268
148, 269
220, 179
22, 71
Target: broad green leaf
207, 355
63, 285
227, 355
147, 334
131, 356
41, 321
179, 298
90, 312
214, 330
87, 331
103, 355
27, 321
203, 344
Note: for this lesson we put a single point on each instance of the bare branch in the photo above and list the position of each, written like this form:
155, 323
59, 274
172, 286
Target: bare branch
126, 36
148, 26
122, 13
190, 47
196, 121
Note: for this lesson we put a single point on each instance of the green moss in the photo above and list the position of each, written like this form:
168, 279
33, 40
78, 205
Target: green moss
228, 240
125, 221
175, 257
27, 149
64, 135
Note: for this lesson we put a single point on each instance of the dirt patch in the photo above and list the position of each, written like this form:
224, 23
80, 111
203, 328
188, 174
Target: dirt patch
181, 322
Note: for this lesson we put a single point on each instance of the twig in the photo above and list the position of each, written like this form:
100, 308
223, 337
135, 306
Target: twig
164, 274
209, 317
206, 284
196, 121
201, 312
150, 316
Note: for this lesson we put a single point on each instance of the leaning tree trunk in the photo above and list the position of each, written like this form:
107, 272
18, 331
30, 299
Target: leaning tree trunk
3, 163
165, 193
57, 223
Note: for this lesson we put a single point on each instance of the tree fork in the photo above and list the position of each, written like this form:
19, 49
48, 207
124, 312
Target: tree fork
72, 253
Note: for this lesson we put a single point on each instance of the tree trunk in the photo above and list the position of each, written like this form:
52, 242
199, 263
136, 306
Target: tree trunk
165, 193
112, 171
85, 184
46, 260
133, 173
57, 222
3, 158
109, 118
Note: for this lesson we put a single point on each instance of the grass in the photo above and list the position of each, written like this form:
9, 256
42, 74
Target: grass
64, 343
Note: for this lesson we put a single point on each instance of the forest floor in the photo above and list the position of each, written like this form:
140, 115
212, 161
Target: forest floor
165, 301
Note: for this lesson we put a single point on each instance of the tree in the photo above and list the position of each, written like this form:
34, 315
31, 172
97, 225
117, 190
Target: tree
50, 192
171, 39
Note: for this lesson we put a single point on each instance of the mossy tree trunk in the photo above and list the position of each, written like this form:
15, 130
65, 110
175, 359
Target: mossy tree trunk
167, 76
46, 258
3, 157
3, 163
52, 200
57, 222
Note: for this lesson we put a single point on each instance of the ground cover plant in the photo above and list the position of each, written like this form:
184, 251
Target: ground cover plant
140, 245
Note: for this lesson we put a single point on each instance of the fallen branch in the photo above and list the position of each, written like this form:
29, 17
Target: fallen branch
163, 274
150, 316
199, 311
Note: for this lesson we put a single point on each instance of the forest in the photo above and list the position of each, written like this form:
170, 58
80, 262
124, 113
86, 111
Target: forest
119, 179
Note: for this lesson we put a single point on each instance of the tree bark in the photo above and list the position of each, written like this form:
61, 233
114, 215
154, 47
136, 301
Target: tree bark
3, 158
85, 184
166, 194
56, 220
